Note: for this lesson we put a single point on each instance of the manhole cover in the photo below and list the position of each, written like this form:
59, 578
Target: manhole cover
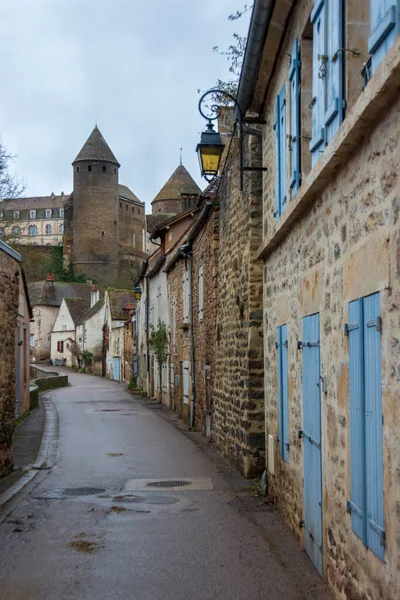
168, 484
146, 499
59, 494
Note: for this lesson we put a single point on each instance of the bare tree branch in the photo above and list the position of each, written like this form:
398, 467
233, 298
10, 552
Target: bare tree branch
10, 185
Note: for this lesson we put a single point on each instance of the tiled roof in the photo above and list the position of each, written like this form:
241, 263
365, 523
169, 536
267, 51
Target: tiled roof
96, 148
42, 293
118, 300
180, 183
34, 202
92, 311
125, 192
154, 221
77, 307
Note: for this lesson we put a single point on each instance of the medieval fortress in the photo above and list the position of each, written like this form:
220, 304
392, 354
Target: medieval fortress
102, 225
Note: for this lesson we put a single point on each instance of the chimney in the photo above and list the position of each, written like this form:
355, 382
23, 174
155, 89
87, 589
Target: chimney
94, 296
50, 282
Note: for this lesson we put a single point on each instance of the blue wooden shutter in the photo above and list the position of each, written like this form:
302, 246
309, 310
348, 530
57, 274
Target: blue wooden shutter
357, 429
283, 400
294, 78
278, 161
318, 82
334, 73
384, 29
282, 145
373, 425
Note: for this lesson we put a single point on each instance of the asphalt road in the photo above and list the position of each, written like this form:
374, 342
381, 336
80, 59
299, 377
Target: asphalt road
132, 541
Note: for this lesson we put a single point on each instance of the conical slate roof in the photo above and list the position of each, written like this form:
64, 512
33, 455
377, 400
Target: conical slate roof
96, 148
180, 182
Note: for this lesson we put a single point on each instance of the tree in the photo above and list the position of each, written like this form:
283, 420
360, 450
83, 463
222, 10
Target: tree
234, 55
10, 186
158, 343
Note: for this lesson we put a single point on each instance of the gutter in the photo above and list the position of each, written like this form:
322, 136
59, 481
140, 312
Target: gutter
258, 30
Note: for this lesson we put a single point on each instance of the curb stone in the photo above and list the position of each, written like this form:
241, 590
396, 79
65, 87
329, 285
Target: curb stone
46, 456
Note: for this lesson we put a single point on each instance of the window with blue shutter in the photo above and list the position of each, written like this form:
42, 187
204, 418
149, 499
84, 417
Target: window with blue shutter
283, 400
327, 18
366, 454
318, 82
280, 135
334, 106
385, 27
294, 79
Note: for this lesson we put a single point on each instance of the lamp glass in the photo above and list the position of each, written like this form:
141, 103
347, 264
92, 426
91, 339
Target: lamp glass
210, 158
138, 293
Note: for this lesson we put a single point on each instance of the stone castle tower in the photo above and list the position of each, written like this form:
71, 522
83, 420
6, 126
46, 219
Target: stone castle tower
178, 195
95, 218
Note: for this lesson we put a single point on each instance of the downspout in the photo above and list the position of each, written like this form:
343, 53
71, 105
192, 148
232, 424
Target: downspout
186, 251
147, 332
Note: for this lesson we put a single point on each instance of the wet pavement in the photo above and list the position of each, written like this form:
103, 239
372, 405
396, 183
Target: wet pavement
134, 508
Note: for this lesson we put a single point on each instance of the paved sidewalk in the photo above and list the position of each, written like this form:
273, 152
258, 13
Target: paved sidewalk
26, 444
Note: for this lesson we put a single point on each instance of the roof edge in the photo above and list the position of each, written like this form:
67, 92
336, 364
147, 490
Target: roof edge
258, 30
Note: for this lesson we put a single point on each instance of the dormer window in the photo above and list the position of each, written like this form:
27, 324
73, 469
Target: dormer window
48, 213
16, 214
32, 214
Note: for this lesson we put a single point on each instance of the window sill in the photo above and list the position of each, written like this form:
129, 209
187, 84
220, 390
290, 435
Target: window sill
381, 90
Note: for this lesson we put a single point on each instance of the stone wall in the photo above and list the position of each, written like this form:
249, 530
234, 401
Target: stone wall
238, 394
179, 338
344, 245
205, 253
36, 260
9, 282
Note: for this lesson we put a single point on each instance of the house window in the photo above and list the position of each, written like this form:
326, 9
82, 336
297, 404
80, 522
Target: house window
77, 169
16, 214
32, 340
280, 137
48, 213
89, 167
1, 215
104, 169
366, 455
283, 400
60, 346
327, 74
32, 214
32, 230
185, 293
64, 328
138, 211
133, 239
48, 229
16, 230
61, 228
61, 212
384, 30
295, 129
201, 292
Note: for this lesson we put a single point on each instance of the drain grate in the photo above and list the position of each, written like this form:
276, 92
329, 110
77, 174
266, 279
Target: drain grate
168, 484
59, 494
129, 499
43, 467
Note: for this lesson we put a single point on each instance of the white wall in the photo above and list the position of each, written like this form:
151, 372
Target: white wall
44, 319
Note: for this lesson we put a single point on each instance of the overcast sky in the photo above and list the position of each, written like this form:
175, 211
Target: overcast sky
135, 66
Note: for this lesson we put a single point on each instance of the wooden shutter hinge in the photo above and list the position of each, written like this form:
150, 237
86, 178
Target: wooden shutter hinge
350, 327
376, 323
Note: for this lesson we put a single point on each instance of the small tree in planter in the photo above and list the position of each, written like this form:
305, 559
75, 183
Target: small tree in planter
158, 343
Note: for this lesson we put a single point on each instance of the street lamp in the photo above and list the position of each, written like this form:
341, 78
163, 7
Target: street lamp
138, 292
209, 151
210, 148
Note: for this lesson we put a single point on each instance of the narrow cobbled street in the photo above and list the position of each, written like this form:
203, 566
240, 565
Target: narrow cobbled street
126, 539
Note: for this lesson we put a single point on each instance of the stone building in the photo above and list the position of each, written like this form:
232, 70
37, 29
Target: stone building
179, 194
331, 271
119, 305
192, 292
104, 222
65, 348
15, 317
37, 221
46, 298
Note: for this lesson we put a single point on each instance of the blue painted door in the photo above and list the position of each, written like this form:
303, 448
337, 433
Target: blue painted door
117, 368
311, 434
